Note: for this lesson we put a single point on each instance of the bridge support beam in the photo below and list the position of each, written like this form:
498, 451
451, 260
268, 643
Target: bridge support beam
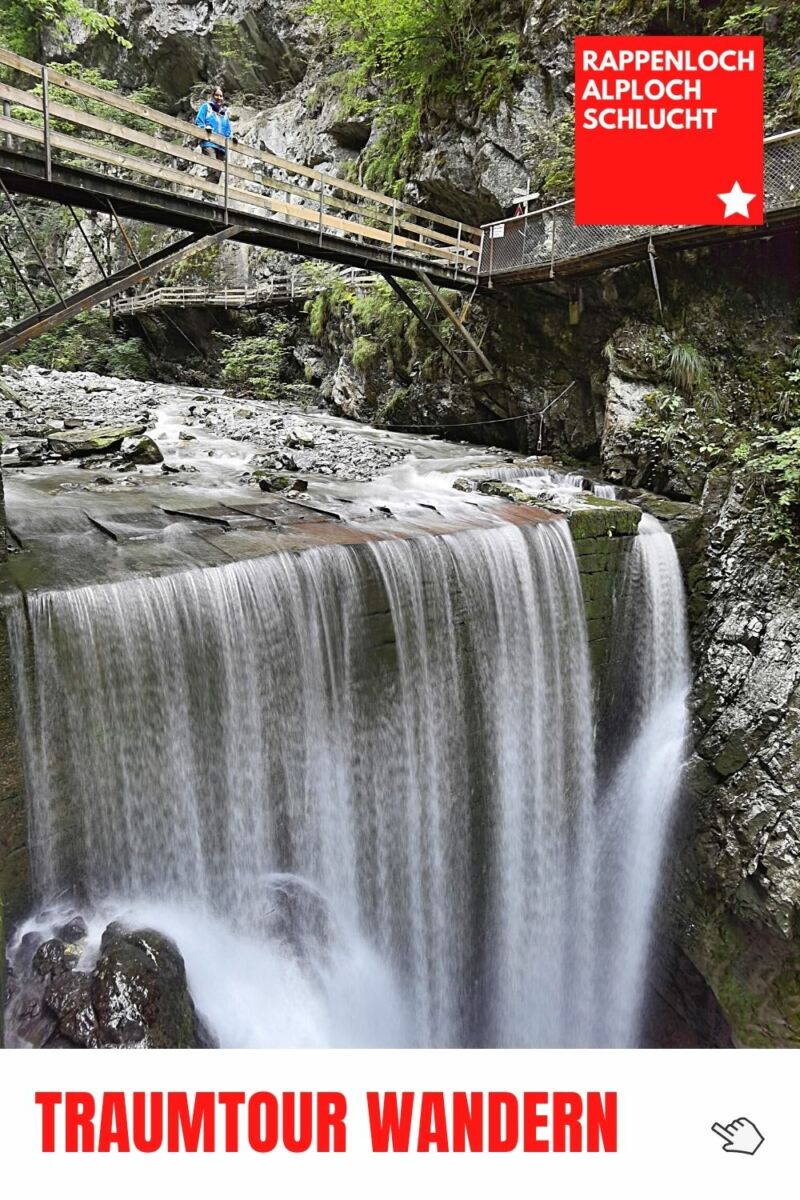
106, 288
434, 332
455, 321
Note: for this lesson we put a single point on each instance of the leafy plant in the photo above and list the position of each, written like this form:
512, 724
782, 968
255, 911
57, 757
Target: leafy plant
22, 22
89, 343
773, 464
423, 55
366, 352
255, 363
687, 368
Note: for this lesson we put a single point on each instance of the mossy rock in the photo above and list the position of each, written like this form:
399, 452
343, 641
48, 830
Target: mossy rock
140, 995
73, 442
595, 517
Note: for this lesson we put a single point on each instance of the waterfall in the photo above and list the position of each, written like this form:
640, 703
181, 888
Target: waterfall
644, 746
357, 784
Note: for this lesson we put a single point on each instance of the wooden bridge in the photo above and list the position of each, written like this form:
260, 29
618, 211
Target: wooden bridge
58, 142
280, 288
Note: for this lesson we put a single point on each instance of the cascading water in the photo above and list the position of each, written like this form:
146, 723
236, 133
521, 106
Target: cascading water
644, 741
394, 739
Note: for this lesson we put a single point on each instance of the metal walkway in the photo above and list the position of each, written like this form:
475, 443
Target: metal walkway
547, 244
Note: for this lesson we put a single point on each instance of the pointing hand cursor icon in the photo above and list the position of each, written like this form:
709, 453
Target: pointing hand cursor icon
740, 1137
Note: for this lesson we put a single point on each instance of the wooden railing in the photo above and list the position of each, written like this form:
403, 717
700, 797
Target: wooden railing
295, 285
164, 153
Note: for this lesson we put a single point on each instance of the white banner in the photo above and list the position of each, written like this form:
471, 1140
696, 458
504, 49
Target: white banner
476, 1123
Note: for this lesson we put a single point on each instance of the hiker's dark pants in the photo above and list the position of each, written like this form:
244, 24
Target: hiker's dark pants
213, 175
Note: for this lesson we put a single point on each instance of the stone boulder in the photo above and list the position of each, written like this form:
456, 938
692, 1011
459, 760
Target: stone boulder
53, 958
69, 998
144, 451
297, 915
70, 443
140, 995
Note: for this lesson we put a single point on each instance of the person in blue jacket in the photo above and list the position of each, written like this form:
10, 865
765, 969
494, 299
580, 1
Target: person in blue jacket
213, 117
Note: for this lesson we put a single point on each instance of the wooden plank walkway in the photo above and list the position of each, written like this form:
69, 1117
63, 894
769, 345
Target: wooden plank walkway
57, 142
53, 147
283, 288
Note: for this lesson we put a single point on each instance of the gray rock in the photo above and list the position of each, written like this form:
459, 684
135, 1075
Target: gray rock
300, 437
75, 930
92, 441
144, 451
53, 958
139, 993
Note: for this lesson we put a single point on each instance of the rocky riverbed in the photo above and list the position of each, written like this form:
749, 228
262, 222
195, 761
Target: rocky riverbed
47, 417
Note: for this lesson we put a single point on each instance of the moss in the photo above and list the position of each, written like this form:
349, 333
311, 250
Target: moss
755, 975
366, 353
597, 516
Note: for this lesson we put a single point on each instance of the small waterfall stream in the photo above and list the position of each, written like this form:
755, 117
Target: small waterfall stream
396, 740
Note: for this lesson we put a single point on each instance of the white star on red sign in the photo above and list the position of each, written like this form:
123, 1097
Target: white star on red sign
736, 201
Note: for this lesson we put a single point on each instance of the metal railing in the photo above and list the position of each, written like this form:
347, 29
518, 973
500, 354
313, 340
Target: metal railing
543, 241
278, 289
64, 122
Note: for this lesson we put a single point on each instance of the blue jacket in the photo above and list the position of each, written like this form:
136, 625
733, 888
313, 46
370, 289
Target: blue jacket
219, 122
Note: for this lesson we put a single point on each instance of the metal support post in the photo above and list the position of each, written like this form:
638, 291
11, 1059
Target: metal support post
31, 241
5, 246
227, 148
651, 252
86, 238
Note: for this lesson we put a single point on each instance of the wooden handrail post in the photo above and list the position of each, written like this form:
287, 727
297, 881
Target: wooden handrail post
226, 179
394, 228
458, 248
7, 113
48, 164
321, 208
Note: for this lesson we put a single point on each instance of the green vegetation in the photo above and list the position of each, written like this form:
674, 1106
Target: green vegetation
254, 364
688, 369
22, 23
87, 344
383, 333
554, 158
423, 55
772, 466
366, 353
200, 268
737, 411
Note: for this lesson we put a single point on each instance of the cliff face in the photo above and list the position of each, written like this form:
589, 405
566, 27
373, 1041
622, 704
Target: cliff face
661, 402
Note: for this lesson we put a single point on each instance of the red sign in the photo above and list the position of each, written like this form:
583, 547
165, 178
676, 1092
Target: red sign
669, 131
